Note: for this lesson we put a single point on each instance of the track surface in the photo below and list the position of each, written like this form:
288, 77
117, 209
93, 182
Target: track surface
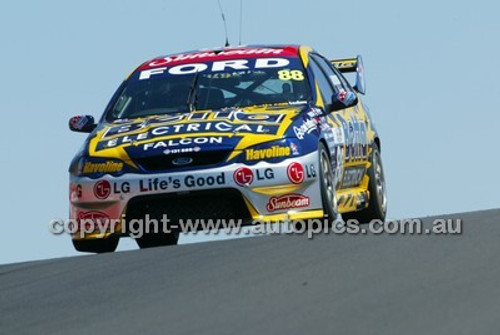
268, 285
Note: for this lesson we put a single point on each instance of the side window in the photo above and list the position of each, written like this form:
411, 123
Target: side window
336, 79
324, 84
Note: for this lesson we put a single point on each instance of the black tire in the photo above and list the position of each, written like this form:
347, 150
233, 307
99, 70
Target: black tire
327, 184
98, 245
157, 240
377, 206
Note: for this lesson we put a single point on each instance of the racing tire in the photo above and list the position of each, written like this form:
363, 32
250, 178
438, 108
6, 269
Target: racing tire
156, 240
98, 245
327, 185
377, 206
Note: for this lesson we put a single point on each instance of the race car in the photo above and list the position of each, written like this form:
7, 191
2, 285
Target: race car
255, 133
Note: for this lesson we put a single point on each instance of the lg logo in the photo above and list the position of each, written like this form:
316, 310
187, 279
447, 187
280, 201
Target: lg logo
102, 189
243, 176
295, 173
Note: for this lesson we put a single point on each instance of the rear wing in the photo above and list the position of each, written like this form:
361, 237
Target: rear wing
350, 65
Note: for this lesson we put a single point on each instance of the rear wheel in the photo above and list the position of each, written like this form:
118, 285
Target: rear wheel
377, 206
327, 184
98, 245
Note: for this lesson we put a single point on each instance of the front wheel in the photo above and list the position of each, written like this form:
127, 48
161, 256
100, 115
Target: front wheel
327, 184
377, 206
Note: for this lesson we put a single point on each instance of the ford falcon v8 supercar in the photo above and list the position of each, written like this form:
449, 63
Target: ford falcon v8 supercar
268, 133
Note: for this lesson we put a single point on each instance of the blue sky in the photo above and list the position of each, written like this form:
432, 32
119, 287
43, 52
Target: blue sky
431, 67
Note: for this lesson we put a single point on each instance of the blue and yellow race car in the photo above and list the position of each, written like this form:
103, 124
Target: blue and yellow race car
268, 133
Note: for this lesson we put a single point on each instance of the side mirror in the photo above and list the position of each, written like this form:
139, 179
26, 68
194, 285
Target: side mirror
351, 65
82, 123
344, 99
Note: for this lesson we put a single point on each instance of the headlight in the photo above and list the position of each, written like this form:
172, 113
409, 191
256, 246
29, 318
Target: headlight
96, 167
274, 151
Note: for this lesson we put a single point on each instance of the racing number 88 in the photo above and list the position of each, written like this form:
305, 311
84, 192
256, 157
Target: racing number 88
290, 75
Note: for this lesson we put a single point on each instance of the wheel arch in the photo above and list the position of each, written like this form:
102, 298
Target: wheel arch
322, 140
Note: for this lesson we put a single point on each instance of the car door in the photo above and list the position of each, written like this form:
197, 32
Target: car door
349, 126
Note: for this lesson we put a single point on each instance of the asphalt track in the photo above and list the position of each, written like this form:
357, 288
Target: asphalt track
282, 284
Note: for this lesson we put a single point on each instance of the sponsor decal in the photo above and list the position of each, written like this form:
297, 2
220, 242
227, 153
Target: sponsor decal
353, 176
157, 184
206, 55
295, 172
228, 121
305, 128
288, 201
214, 127
189, 181
295, 149
297, 102
266, 174
191, 121
311, 171
275, 151
314, 112
217, 66
243, 176
345, 64
121, 188
170, 144
86, 219
355, 137
104, 167
102, 189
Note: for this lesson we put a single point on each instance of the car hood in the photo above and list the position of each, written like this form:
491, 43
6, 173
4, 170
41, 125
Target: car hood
228, 130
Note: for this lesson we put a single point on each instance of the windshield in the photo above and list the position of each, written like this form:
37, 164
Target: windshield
210, 85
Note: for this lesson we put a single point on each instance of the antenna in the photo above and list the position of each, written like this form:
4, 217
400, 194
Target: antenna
223, 20
241, 19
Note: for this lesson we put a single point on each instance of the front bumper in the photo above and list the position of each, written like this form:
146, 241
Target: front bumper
268, 190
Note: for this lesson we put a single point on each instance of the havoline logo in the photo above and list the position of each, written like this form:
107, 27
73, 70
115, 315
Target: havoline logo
104, 167
273, 152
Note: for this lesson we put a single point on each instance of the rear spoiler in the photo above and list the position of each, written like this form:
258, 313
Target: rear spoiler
350, 65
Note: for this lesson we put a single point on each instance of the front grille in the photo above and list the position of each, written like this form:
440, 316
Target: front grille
166, 162
225, 204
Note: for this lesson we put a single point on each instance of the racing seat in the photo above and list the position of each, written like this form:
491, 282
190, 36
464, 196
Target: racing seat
210, 98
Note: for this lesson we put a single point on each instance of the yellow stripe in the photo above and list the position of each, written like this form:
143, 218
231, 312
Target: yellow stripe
276, 190
304, 54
